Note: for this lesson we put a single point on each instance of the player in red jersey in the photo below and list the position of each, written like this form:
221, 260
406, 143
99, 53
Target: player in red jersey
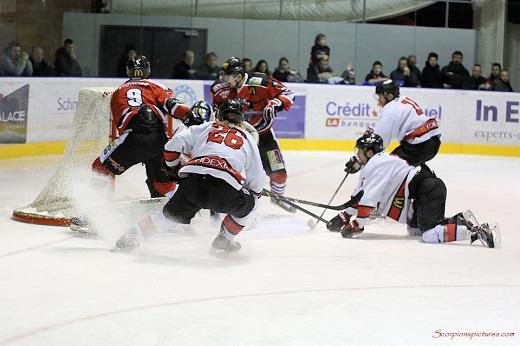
264, 96
140, 109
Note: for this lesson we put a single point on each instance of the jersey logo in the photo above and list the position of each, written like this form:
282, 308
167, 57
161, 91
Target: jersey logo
252, 90
185, 94
255, 81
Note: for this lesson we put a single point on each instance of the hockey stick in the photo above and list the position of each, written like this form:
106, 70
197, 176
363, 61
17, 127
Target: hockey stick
332, 198
343, 206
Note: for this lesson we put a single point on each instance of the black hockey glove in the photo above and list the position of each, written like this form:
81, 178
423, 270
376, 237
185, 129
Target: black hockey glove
192, 119
352, 166
351, 229
171, 172
338, 222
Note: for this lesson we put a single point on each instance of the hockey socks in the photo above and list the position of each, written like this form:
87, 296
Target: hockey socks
446, 233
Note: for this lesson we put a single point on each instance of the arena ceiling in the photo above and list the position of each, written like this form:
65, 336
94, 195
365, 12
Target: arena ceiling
319, 10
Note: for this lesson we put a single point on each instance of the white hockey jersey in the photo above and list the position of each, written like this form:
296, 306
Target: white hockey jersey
403, 119
384, 180
227, 153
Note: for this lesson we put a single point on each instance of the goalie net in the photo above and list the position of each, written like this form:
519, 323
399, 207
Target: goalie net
91, 133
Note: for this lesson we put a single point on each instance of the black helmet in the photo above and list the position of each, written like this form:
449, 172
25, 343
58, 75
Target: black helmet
201, 109
370, 141
388, 87
232, 111
233, 66
138, 67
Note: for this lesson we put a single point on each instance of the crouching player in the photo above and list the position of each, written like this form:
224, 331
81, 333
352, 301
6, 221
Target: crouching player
221, 151
389, 183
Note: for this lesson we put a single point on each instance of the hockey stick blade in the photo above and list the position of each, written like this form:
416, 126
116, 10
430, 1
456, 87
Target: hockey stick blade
345, 205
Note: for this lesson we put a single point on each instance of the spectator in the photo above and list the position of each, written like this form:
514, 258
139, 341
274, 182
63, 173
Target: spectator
248, 65
412, 65
262, 67
320, 49
376, 75
66, 62
209, 70
184, 68
431, 74
40, 67
475, 81
454, 74
15, 62
349, 75
502, 82
284, 73
403, 75
496, 68
323, 74
128, 54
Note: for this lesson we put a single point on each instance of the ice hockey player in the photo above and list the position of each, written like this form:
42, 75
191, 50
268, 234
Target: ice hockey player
265, 96
140, 108
389, 183
402, 118
221, 152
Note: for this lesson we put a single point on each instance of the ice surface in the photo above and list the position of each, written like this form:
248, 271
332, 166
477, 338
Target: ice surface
287, 286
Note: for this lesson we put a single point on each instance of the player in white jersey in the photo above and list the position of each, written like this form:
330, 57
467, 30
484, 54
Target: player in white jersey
389, 183
402, 119
221, 152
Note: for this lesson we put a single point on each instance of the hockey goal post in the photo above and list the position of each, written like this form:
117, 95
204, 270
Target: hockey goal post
92, 130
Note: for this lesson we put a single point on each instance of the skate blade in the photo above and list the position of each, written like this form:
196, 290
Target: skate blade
495, 232
85, 232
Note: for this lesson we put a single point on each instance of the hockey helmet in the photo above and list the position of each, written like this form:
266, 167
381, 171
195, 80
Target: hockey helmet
202, 109
388, 87
233, 66
370, 141
138, 67
231, 111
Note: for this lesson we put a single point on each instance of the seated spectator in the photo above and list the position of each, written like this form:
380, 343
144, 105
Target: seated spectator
402, 74
324, 74
40, 67
349, 75
496, 68
284, 73
15, 62
376, 75
431, 74
412, 65
475, 81
502, 82
209, 70
66, 62
184, 68
454, 74
248, 65
129, 53
262, 67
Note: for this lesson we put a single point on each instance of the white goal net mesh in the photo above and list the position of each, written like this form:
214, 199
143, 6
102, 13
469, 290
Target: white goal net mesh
91, 130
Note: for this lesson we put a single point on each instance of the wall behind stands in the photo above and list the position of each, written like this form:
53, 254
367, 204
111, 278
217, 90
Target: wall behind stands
359, 44
324, 117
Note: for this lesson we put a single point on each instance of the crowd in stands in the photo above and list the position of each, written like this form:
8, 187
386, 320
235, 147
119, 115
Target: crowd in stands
16, 62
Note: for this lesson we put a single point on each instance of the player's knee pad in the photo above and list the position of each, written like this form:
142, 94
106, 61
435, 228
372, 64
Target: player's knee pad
101, 168
433, 235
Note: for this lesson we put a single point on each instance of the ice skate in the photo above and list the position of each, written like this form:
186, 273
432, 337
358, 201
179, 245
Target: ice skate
282, 204
488, 235
221, 243
81, 225
127, 242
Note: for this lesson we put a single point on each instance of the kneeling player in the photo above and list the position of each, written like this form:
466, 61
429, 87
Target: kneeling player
221, 152
389, 183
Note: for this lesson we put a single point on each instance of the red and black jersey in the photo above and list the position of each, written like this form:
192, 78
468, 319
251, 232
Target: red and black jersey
127, 99
258, 90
